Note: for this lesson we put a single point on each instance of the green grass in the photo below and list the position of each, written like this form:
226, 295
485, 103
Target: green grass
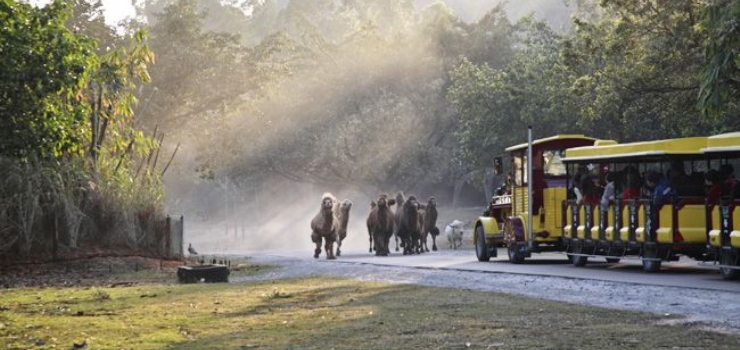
324, 313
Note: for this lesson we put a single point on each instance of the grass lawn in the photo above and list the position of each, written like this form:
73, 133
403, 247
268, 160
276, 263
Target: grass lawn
323, 313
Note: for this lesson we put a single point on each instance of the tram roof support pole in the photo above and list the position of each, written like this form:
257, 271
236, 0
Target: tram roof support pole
530, 192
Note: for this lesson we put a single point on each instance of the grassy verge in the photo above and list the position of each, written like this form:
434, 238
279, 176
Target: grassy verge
323, 313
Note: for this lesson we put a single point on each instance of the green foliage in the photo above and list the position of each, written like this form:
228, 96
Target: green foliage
631, 71
720, 84
43, 68
196, 70
73, 164
39, 201
373, 92
88, 19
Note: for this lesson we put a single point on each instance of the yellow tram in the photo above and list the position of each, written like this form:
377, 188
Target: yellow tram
723, 151
634, 222
509, 217
658, 208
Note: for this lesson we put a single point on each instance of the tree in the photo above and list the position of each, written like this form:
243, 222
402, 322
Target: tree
197, 72
720, 84
43, 68
637, 69
67, 134
88, 19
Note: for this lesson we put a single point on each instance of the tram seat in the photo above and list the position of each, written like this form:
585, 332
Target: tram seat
691, 222
624, 232
596, 223
715, 238
581, 229
735, 239
610, 233
715, 234
664, 227
568, 227
735, 234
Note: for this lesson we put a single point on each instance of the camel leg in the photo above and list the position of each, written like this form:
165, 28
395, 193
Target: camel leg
387, 245
380, 245
370, 234
316, 238
329, 246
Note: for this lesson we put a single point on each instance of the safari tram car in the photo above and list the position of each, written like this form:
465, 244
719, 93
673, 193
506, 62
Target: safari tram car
665, 199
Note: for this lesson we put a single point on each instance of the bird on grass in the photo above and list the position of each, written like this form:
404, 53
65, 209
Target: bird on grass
191, 250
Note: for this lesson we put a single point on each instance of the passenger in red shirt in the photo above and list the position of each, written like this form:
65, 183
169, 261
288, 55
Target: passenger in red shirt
727, 176
714, 186
591, 190
632, 183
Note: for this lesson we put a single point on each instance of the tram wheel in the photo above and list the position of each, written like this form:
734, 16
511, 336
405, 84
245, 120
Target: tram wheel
481, 251
727, 258
649, 265
577, 260
514, 256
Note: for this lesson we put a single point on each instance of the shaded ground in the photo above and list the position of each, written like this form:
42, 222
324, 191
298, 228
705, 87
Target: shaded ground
714, 310
318, 312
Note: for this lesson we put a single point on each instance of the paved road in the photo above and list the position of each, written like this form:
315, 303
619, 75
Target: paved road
684, 274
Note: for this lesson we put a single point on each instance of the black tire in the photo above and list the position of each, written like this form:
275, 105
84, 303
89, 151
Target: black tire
481, 250
577, 260
727, 258
514, 256
649, 265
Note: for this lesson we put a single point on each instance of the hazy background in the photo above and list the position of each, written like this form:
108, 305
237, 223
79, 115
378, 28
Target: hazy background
297, 98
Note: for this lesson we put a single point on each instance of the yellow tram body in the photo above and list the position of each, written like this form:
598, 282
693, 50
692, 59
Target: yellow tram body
636, 225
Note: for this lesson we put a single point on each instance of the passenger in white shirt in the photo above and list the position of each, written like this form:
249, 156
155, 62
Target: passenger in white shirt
609, 192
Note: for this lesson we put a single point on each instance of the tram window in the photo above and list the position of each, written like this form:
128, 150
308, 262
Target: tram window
498, 168
735, 165
520, 170
553, 166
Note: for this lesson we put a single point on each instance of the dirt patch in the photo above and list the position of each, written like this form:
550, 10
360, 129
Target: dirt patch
95, 271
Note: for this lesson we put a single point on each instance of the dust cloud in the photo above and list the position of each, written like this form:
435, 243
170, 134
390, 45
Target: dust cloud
368, 118
263, 225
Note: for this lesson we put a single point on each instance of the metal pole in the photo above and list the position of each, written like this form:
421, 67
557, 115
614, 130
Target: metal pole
530, 180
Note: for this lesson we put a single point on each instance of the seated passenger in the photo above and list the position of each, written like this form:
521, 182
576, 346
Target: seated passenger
632, 183
591, 190
609, 191
574, 188
679, 180
730, 186
713, 186
660, 189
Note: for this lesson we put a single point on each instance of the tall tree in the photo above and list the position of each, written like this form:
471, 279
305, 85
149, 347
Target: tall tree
43, 68
720, 85
88, 19
638, 68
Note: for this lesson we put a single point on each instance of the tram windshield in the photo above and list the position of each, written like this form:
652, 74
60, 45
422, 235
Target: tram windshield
553, 164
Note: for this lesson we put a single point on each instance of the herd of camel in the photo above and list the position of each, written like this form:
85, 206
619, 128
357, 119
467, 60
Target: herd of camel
411, 223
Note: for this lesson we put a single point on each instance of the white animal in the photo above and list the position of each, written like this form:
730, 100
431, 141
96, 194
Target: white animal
454, 233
